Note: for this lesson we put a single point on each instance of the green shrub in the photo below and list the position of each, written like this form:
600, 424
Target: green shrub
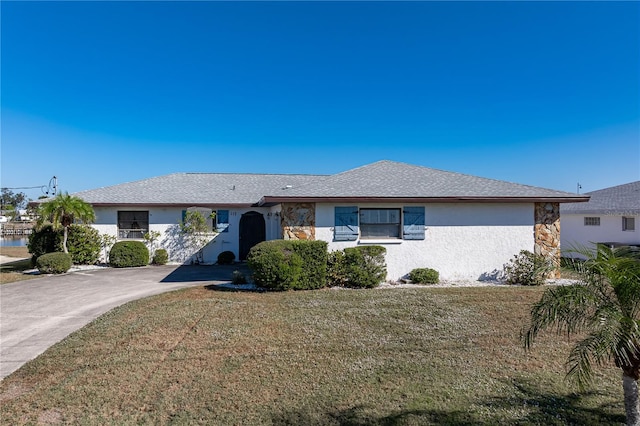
161, 257
226, 258
84, 244
44, 240
238, 277
126, 254
289, 265
273, 266
54, 263
365, 266
336, 269
527, 268
424, 276
314, 259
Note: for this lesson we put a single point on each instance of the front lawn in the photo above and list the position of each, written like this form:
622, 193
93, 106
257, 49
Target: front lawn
330, 357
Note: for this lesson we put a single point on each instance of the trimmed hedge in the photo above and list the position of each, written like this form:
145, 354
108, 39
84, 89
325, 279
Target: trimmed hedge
365, 266
336, 269
84, 244
226, 258
289, 264
424, 276
161, 257
44, 240
54, 263
125, 254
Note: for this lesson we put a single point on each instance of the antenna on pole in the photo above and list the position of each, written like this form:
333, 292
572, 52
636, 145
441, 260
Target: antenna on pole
579, 187
51, 188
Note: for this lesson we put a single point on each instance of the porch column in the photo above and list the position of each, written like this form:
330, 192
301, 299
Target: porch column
547, 234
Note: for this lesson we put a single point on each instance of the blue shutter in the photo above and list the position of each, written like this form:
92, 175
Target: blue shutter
346, 224
222, 221
413, 223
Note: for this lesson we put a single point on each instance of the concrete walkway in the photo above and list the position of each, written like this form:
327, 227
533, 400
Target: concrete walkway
35, 314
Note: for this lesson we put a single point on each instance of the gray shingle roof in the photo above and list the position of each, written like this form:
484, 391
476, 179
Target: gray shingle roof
193, 189
619, 200
389, 179
380, 180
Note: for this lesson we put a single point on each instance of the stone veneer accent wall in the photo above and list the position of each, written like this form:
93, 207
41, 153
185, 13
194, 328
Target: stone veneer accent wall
298, 221
547, 233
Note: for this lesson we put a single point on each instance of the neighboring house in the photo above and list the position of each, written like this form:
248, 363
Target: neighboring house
611, 216
463, 226
24, 216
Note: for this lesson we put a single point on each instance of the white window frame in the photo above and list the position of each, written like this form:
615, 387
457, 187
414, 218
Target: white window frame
366, 226
592, 221
628, 223
137, 228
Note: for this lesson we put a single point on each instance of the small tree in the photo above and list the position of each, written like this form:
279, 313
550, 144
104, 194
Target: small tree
150, 239
603, 309
63, 210
107, 241
196, 232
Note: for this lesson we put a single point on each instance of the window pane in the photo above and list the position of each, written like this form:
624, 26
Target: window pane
628, 224
380, 216
133, 224
380, 231
591, 221
380, 223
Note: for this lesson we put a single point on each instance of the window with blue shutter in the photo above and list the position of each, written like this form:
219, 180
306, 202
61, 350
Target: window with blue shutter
413, 228
222, 221
346, 224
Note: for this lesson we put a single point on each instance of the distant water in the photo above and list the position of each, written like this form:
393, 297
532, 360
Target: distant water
13, 242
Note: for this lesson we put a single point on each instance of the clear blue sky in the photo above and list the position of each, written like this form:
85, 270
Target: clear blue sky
101, 93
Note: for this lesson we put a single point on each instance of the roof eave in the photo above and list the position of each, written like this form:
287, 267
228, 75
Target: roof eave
272, 200
208, 205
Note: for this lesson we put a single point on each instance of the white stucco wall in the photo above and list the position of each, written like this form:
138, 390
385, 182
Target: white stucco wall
573, 233
462, 241
166, 219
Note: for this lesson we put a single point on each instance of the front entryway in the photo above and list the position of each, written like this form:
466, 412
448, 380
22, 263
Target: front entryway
252, 232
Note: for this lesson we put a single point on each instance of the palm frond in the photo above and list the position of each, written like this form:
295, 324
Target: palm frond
568, 308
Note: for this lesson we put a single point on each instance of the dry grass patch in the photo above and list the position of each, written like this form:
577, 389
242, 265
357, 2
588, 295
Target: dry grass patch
18, 251
393, 356
13, 271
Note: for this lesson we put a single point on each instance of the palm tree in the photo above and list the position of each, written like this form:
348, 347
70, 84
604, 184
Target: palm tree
604, 309
64, 210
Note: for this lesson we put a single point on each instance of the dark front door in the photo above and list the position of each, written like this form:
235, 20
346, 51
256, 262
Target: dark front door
252, 232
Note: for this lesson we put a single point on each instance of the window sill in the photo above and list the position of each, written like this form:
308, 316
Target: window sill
380, 241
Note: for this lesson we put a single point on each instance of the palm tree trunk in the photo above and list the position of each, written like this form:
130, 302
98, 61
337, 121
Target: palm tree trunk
64, 240
631, 400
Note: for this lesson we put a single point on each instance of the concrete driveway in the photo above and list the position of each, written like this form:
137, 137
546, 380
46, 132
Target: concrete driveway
35, 314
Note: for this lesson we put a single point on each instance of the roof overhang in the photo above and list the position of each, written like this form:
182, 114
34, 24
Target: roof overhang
273, 200
184, 205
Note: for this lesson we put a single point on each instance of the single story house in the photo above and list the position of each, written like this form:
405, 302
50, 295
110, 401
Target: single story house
611, 216
463, 226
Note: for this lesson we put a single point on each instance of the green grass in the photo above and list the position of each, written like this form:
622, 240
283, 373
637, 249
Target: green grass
334, 357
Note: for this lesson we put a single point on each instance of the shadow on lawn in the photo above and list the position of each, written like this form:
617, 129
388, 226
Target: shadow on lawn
541, 409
